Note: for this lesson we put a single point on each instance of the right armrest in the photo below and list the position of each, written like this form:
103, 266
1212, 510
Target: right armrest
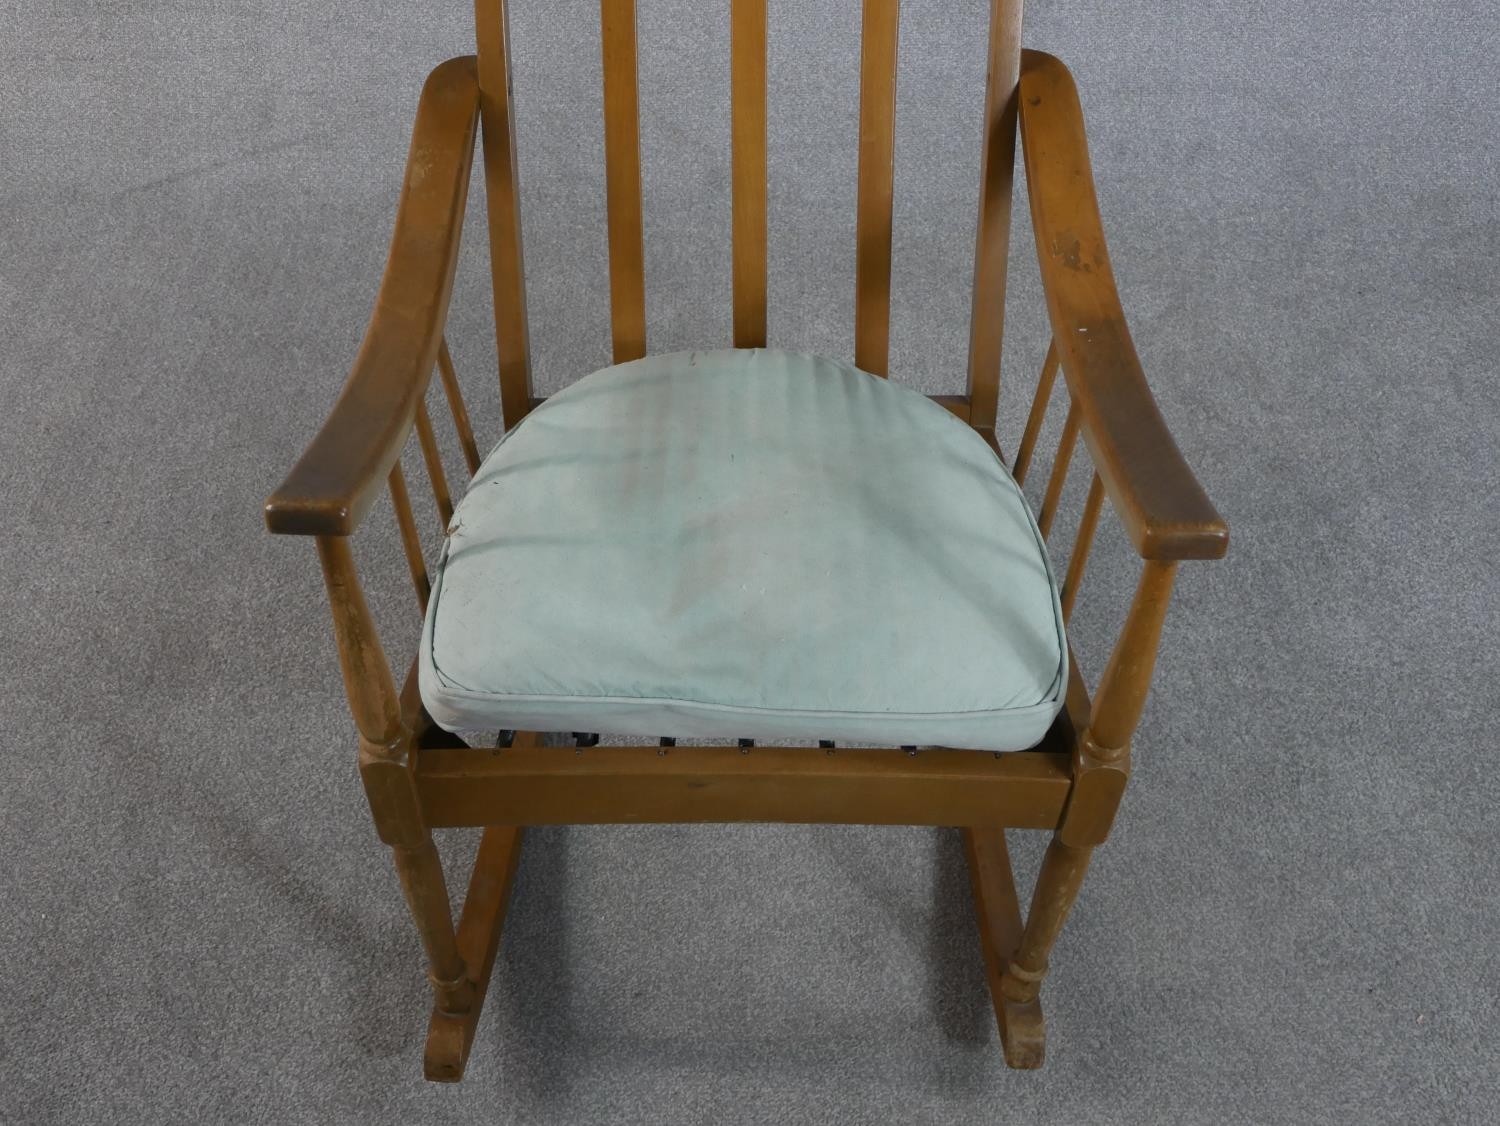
334, 482
1160, 502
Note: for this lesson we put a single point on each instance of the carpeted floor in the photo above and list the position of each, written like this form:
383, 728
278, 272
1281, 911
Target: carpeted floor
1296, 919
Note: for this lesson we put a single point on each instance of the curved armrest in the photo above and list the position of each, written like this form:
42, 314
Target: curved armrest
1164, 509
333, 484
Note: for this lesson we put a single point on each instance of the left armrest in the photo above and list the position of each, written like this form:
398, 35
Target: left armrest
1160, 502
336, 480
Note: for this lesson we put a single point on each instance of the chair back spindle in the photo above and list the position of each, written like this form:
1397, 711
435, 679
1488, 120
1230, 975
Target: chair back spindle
747, 126
622, 175
503, 201
992, 236
877, 166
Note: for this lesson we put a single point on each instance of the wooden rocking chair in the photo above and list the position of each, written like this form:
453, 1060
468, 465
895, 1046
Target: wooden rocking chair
617, 447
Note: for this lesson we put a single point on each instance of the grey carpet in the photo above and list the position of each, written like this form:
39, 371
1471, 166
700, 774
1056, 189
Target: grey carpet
1296, 920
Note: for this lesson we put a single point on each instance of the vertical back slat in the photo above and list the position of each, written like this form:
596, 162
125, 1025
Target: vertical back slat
411, 542
460, 411
1039, 403
503, 200
622, 176
992, 239
877, 127
747, 112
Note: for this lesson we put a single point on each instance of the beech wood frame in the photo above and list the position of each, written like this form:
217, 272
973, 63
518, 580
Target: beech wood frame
418, 777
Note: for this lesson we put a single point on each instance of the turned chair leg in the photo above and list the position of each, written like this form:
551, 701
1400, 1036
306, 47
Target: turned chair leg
1101, 768
1016, 955
459, 962
1057, 885
1023, 1031
384, 747
450, 1036
421, 873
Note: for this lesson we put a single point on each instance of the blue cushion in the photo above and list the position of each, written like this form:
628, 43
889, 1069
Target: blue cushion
745, 544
